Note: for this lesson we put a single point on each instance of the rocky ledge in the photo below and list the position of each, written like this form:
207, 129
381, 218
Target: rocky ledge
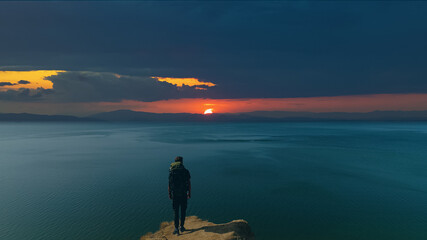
199, 229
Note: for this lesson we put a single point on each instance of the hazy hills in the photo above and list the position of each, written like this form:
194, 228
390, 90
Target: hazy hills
267, 116
127, 115
25, 117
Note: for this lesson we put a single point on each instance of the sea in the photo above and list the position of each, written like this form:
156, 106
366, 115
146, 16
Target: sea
291, 181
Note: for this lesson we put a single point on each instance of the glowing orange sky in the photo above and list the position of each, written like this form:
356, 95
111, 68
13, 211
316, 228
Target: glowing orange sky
36, 79
185, 81
357, 103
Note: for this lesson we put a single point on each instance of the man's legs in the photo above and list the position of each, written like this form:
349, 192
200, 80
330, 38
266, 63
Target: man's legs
177, 203
183, 210
175, 206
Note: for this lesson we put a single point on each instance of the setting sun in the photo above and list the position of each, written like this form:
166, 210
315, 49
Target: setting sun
208, 111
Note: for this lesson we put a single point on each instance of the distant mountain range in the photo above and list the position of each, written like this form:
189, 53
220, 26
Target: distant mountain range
27, 117
265, 116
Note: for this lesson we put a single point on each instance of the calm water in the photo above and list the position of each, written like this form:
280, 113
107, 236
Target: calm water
291, 181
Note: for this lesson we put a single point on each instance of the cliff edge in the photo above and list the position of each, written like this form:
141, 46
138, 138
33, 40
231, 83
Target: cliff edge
199, 229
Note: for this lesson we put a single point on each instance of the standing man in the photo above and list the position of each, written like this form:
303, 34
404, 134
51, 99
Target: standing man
179, 190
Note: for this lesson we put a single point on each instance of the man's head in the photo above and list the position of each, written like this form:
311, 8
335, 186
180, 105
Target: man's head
178, 159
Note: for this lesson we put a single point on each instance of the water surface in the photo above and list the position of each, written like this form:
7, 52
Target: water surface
289, 180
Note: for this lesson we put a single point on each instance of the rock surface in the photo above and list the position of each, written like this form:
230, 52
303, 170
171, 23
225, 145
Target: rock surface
199, 229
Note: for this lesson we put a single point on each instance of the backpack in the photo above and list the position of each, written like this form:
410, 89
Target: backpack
178, 179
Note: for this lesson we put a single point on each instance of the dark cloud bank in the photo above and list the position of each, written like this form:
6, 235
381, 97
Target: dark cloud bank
249, 49
94, 86
87, 86
23, 82
25, 94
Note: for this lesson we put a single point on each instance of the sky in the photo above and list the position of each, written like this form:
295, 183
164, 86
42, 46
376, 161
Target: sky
80, 58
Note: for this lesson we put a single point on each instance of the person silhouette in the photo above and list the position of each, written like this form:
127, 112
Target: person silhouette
179, 191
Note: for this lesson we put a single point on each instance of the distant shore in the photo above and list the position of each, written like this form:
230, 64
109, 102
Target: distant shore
259, 116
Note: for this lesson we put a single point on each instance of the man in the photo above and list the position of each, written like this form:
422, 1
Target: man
179, 190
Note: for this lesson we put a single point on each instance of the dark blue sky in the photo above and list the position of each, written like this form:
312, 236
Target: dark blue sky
249, 49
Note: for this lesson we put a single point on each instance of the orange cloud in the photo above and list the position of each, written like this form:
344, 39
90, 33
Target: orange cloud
200, 88
179, 82
35, 78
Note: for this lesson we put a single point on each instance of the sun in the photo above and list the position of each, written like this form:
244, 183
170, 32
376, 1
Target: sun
208, 111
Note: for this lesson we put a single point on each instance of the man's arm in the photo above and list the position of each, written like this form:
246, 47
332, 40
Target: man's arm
189, 189
169, 186
189, 184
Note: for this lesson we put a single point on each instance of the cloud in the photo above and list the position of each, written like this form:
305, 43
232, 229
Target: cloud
2, 84
23, 82
6, 84
24, 94
250, 49
88, 86
78, 86
179, 82
33, 79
